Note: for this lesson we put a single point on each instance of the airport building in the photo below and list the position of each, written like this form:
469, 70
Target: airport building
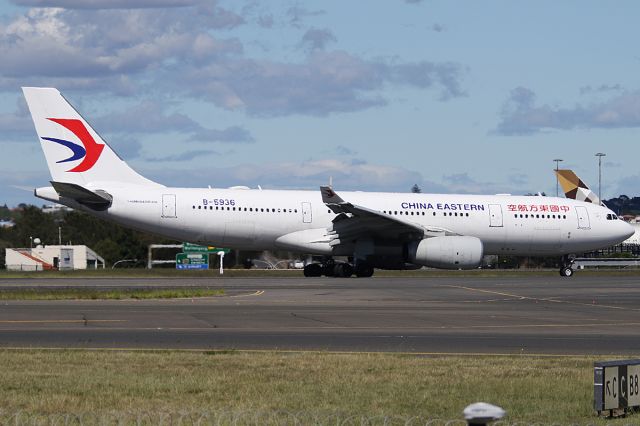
43, 258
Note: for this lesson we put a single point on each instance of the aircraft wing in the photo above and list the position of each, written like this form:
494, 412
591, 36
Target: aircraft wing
354, 221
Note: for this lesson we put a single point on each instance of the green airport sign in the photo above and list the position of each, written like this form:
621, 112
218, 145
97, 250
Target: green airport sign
192, 261
195, 248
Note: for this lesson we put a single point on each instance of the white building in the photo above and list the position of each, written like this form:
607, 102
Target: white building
52, 257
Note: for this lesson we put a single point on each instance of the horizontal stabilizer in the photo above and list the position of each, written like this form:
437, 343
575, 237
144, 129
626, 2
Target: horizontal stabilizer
95, 200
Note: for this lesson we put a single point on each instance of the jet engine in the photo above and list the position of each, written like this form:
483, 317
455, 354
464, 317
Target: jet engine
451, 252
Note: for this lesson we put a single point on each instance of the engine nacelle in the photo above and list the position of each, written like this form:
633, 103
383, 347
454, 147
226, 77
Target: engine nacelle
453, 252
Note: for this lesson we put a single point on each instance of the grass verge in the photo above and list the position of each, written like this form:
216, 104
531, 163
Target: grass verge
531, 389
95, 294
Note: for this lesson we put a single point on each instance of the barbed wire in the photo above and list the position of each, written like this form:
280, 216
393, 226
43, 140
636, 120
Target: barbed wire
249, 418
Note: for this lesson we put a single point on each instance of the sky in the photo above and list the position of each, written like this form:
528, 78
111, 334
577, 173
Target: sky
455, 96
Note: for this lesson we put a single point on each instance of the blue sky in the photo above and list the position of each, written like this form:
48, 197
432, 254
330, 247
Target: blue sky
471, 97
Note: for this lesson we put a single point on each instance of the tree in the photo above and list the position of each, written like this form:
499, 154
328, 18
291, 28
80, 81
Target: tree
416, 189
33, 223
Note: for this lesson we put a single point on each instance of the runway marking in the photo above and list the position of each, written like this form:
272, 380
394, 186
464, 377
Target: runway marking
256, 293
537, 299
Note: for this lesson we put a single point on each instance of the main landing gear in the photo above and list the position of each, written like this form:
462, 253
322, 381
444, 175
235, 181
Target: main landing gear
331, 268
566, 270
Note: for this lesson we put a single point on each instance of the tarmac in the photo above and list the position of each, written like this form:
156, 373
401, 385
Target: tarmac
539, 315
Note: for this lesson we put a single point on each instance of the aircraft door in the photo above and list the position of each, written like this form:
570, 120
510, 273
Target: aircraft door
306, 212
168, 206
583, 217
495, 216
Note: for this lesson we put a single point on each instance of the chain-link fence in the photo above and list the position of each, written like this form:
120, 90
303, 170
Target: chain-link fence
253, 417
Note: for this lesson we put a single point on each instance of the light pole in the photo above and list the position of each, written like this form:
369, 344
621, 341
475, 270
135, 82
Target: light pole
557, 160
600, 155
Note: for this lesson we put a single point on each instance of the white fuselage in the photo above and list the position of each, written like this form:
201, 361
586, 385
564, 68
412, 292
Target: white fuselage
262, 219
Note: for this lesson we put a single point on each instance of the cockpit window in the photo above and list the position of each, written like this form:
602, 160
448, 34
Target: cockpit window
612, 216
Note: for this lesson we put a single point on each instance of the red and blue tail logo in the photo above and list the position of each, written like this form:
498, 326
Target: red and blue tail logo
89, 152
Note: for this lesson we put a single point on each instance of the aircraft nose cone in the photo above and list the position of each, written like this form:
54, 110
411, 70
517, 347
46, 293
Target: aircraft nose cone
627, 230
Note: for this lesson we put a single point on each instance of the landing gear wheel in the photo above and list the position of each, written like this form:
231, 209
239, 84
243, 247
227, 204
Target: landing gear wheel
329, 268
364, 270
343, 270
313, 270
566, 272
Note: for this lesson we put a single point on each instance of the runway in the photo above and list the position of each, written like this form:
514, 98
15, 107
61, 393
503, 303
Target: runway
523, 315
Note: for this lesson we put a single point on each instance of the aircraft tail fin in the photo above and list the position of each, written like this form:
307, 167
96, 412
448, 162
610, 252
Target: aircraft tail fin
74, 151
574, 188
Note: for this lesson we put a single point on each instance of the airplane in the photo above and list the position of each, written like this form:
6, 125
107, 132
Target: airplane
372, 229
574, 188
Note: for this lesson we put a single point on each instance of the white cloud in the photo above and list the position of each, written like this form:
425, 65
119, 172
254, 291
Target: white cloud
184, 156
347, 175
317, 39
520, 114
297, 14
107, 4
130, 51
16, 124
326, 82
151, 117
463, 183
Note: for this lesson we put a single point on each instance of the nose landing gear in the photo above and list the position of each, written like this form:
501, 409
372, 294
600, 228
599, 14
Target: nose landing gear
566, 270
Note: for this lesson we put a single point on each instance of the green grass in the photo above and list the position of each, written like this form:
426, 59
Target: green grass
72, 294
531, 389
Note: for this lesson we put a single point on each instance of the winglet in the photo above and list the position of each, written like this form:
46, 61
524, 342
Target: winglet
329, 196
574, 188
331, 199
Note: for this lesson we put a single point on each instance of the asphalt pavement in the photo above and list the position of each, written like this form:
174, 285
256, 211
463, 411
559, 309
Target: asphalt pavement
505, 315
